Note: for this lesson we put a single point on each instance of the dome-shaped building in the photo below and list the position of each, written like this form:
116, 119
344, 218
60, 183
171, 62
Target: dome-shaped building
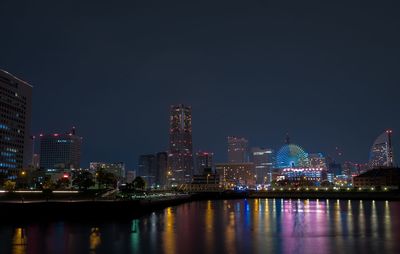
291, 155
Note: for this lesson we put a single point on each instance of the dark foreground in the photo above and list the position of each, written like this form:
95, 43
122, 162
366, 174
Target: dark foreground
221, 226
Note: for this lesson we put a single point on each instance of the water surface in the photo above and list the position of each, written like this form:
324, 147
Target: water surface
230, 226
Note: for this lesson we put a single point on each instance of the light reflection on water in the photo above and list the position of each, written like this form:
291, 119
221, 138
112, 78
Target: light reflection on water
226, 226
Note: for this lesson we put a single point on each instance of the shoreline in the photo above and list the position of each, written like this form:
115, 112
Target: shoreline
36, 210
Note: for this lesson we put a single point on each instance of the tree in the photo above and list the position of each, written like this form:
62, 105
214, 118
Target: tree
106, 179
139, 183
48, 184
83, 180
9, 186
63, 183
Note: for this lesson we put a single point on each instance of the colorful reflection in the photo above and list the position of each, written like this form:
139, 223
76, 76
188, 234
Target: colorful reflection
225, 226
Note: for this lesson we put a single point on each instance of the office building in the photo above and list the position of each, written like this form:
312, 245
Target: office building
263, 163
381, 154
15, 124
237, 149
203, 160
180, 157
60, 151
236, 174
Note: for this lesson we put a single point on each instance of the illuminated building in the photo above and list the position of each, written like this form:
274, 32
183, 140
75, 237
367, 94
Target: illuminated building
237, 150
180, 156
314, 175
381, 154
317, 160
291, 155
15, 124
263, 163
236, 174
117, 169
203, 160
60, 151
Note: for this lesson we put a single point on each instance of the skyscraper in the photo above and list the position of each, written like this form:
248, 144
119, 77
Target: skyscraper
180, 145
381, 154
203, 160
15, 124
263, 163
237, 150
60, 151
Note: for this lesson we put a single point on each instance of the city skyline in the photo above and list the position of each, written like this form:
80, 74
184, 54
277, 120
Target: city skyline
237, 67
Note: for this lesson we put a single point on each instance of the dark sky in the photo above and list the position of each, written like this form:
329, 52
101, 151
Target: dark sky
328, 73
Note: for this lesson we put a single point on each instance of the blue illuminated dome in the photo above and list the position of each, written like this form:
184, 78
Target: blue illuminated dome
291, 155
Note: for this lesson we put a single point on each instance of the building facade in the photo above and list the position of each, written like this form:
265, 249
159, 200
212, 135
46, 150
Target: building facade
263, 163
60, 151
381, 154
236, 174
237, 149
180, 156
153, 169
15, 124
203, 160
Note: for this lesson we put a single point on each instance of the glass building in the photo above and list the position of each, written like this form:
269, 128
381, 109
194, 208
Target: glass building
237, 150
381, 151
15, 124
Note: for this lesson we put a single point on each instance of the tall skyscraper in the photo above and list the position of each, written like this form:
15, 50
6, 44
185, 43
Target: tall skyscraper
237, 150
60, 151
203, 160
15, 124
381, 154
180, 145
263, 163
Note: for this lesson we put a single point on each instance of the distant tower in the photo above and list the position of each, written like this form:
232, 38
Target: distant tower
180, 158
381, 154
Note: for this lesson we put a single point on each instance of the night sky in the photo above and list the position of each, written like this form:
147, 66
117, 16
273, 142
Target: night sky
327, 73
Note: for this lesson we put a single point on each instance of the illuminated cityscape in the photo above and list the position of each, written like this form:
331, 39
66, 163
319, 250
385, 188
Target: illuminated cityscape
199, 127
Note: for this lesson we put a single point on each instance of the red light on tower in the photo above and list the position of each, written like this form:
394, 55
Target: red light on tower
65, 176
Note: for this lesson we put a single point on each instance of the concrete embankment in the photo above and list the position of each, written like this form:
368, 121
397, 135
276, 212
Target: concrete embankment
113, 209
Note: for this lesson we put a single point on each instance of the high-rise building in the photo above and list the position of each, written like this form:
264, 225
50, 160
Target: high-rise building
117, 169
237, 150
203, 160
381, 154
153, 169
60, 151
15, 124
180, 161
263, 163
